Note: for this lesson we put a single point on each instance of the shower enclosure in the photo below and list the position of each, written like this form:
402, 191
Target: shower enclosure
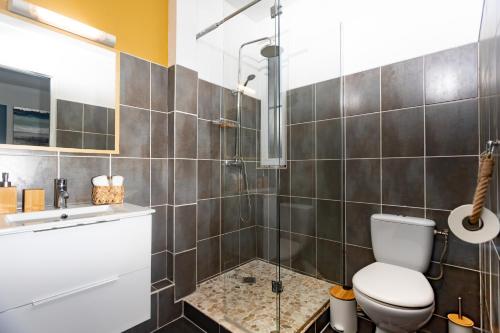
281, 166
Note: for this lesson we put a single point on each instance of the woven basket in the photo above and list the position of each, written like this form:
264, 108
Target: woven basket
105, 195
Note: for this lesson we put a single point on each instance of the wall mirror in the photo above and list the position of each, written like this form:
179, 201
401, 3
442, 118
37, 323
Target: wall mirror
57, 91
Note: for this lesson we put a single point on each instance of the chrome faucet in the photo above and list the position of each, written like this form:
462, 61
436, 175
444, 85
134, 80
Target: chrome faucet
61, 194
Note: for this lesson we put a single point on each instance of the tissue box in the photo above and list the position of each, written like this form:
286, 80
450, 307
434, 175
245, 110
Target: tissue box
105, 195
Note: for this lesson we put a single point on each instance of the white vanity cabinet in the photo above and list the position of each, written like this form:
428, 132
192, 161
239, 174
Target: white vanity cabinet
93, 277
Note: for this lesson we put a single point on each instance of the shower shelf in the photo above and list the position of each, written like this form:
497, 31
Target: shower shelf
225, 123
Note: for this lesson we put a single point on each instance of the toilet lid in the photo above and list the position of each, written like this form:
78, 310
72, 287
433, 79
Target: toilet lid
394, 285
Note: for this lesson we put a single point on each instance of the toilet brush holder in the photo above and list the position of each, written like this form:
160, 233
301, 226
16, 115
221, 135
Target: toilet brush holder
458, 323
343, 317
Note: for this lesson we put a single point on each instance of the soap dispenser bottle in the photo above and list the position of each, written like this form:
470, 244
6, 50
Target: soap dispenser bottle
8, 195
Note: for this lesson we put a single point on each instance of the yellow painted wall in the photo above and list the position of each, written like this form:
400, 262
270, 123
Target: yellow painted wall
140, 27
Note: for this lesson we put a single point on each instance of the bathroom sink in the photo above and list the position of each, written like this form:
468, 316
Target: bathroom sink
58, 215
68, 217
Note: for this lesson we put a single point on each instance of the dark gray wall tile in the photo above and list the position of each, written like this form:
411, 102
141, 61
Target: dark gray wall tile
208, 218
329, 179
363, 180
79, 171
136, 174
284, 246
159, 182
329, 219
231, 177
208, 258
185, 227
228, 137
168, 309
303, 178
402, 84
135, 81
208, 179
452, 128
111, 121
328, 99
69, 115
248, 245
249, 112
229, 104
330, 260
159, 88
230, 217
302, 141
185, 136
209, 100
248, 144
300, 103
185, 181
403, 133
186, 89
450, 181
159, 230
94, 141
134, 129
402, 181
159, 135
69, 139
304, 253
208, 140
95, 119
230, 247
451, 74
262, 243
158, 266
363, 136
362, 92
329, 139
357, 216
184, 273
303, 216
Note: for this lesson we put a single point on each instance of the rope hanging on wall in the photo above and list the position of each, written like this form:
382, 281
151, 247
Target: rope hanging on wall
475, 223
483, 181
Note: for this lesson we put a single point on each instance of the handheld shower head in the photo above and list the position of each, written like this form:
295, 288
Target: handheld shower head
249, 78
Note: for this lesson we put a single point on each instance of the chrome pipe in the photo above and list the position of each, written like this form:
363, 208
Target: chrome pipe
227, 18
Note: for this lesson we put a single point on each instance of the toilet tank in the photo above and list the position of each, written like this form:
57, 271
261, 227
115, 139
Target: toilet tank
402, 240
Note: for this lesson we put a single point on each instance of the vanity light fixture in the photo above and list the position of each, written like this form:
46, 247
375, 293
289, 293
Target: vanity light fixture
54, 19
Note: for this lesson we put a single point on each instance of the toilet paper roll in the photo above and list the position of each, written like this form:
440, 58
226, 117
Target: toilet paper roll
490, 229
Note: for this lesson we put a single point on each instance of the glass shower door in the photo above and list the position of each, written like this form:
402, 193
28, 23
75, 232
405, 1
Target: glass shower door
251, 99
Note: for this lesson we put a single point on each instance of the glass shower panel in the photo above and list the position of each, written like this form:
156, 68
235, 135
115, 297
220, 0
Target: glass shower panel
245, 51
311, 189
276, 68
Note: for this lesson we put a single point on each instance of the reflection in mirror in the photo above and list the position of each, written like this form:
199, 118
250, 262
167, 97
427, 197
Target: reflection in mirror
55, 90
24, 108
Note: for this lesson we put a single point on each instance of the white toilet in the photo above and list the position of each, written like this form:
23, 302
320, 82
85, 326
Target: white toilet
392, 291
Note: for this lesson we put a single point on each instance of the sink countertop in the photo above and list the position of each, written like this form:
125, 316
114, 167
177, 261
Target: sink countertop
112, 212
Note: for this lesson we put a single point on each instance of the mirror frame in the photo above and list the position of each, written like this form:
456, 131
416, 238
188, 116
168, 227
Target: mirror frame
117, 95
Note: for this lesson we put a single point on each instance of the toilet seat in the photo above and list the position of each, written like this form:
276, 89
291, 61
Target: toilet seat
394, 286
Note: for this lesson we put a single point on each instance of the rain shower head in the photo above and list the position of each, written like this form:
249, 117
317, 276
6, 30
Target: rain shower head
249, 78
270, 51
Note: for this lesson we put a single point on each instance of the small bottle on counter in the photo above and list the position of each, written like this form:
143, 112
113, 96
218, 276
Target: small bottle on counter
8, 195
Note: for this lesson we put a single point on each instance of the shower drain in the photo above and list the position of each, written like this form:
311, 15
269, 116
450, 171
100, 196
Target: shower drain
249, 280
